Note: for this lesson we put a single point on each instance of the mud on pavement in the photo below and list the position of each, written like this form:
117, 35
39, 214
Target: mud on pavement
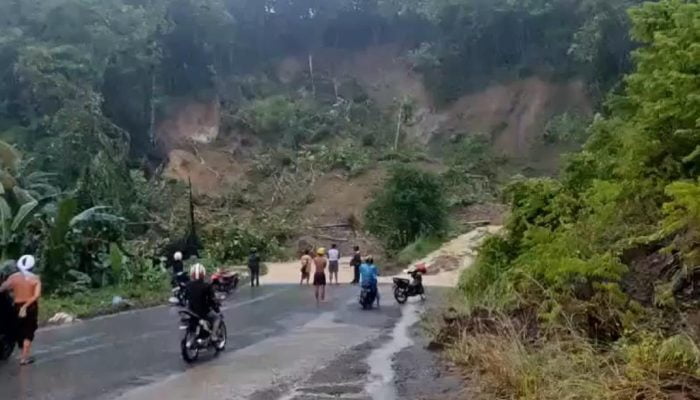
414, 373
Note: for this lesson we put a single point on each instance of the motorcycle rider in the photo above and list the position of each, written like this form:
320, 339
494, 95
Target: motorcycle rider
368, 276
178, 267
202, 300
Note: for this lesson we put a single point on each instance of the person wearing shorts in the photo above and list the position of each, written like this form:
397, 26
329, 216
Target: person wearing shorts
321, 263
333, 263
26, 290
306, 262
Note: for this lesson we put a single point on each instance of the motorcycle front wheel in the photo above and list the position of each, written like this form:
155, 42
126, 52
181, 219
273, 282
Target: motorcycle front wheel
401, 295
189, 348
221, 344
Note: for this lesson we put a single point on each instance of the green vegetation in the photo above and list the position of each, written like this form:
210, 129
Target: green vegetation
564, 264
410, 205
86, 83
471, 174
99, 301
478, 41
418, 249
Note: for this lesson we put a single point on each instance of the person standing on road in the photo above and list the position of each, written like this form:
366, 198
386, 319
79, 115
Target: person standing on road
306, 261
254, 267
26, 290
321, 263
333, 263
355, 263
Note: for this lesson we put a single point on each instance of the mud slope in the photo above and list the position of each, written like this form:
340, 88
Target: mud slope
513, 113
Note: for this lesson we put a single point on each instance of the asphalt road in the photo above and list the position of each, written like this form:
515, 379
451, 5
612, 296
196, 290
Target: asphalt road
281, 345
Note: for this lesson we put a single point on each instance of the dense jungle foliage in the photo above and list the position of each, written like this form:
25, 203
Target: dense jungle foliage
84, 83
606, 256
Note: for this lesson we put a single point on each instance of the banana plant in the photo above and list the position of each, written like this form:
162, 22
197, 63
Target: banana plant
13, 222
70, 231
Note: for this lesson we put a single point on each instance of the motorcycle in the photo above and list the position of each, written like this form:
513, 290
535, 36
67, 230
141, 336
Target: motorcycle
179, 294
198, 336
404, 288
367, 297
225, 282
8, 321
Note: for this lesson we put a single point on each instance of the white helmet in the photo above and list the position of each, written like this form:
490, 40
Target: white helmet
26, 263
198, 271
177, 256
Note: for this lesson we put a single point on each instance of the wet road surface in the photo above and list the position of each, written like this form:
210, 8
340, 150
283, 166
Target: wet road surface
281, 345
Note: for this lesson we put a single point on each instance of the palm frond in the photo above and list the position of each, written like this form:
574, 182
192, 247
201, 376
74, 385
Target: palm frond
24, 214
23, 196
5, 219
95, 214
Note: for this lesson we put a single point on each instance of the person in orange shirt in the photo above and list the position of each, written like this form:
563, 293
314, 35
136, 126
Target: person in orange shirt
26, 290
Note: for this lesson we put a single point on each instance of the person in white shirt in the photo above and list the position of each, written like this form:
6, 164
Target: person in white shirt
333, 262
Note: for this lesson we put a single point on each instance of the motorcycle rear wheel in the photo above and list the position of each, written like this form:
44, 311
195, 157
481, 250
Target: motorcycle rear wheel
401, 295
190, 352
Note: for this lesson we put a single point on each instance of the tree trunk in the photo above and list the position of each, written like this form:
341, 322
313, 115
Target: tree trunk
398, 126
152, 110
311, 74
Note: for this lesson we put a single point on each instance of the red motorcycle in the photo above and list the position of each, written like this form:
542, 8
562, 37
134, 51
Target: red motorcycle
225, 281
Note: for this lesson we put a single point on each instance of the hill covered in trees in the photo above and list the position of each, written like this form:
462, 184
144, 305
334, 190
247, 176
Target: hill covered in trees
271, 96
591, 291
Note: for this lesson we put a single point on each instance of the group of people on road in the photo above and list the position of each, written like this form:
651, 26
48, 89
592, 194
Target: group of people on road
25, 286
364, 271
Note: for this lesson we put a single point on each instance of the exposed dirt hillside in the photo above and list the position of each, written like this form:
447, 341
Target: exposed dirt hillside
513, 114
219, 163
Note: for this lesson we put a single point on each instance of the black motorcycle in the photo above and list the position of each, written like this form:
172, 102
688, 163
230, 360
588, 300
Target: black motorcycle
8, 321
198, 336
180, 281
367, 297
404, 288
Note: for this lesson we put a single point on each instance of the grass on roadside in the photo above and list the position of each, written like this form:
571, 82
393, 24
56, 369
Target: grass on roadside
99, 301
503, 364
418, 249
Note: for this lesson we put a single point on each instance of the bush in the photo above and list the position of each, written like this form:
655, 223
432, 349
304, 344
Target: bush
280, 119
345, 156
484, 284
566, 128
410, 205
663, 357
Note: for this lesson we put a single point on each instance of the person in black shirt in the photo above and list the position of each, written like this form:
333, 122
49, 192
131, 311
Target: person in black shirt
355, 263
201, 298
254, 267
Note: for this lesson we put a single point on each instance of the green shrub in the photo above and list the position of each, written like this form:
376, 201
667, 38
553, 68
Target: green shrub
682, 217
660, 356
345, 155
410, 205
566, 128
486, 282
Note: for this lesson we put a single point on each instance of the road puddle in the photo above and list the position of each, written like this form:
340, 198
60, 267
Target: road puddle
381, 375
